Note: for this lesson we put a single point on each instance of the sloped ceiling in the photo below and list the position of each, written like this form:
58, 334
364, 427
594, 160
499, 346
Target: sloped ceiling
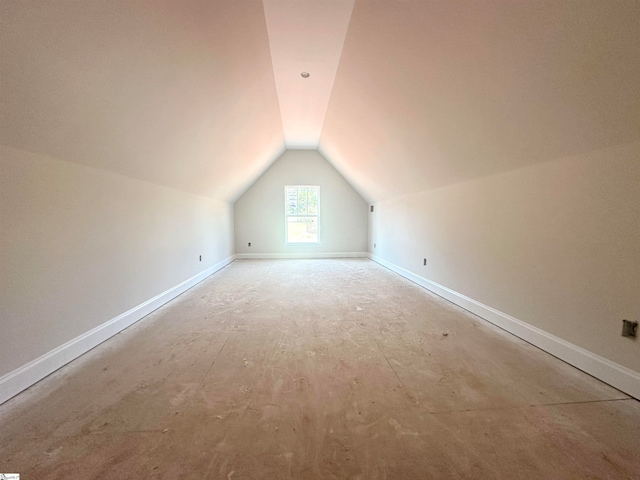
430, 92
404, 95
305, 36
178, 93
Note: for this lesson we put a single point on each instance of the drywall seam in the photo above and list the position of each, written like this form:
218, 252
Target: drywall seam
616, 375
300, 255
23, 377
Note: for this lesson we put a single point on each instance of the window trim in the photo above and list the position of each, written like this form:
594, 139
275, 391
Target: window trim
286, 219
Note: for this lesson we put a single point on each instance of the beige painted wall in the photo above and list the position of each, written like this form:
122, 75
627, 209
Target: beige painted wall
79, 246
259, 212
556, 245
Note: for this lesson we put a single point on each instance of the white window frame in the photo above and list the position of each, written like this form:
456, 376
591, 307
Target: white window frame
286, 218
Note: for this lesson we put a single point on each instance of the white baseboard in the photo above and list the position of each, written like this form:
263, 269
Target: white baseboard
22, 378
616, 375
300, 255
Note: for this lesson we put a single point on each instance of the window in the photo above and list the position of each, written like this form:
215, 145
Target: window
302, 207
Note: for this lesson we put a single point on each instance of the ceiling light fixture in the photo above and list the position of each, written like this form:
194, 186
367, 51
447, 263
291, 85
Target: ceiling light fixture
304, 74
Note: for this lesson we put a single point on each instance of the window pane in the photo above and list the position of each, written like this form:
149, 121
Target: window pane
302, 201
312, 201
302, 229
292, 201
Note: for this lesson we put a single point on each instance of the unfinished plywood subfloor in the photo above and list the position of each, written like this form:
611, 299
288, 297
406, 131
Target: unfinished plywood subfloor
318, 369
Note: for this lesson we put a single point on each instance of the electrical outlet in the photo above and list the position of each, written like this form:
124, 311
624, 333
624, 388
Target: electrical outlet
200, 257
374, 245
424, 262
371, 208
249, 244
629, 329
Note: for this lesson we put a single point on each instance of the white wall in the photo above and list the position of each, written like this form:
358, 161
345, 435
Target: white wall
259, 212
556, 245
80, 246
